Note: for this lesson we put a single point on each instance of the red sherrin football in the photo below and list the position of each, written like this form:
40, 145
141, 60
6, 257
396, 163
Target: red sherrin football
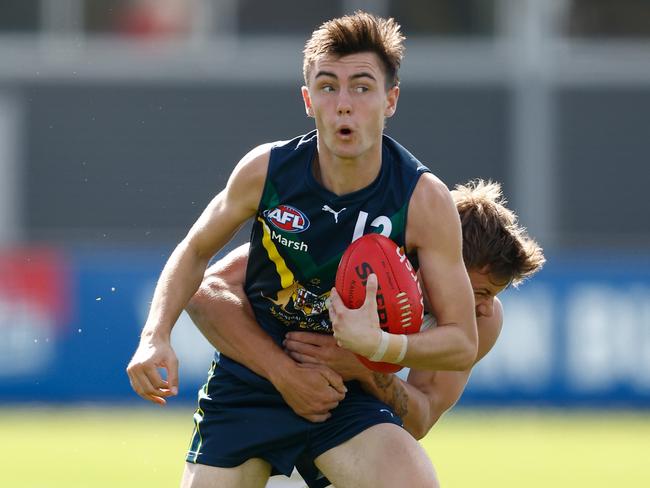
399, 295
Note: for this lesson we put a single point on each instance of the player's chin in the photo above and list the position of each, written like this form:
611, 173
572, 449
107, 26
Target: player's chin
347, 150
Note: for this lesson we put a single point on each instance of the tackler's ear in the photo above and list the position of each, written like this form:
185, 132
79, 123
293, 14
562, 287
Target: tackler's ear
307, 99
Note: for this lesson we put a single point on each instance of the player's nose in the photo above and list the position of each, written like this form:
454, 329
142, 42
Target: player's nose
344, 105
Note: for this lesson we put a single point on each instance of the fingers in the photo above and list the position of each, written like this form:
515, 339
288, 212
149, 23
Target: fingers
147, 382
172, 376
143, 387
137, 387
309, 338
335, 381
303, 348
317, 418
317, 405
371, 291
332, 378
335, 303
155, 393
303, 358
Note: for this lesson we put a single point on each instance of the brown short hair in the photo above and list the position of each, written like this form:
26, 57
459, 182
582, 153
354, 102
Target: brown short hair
356, 33
492, 236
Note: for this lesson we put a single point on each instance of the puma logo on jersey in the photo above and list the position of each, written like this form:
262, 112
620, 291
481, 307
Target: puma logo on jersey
327, 208
287, 218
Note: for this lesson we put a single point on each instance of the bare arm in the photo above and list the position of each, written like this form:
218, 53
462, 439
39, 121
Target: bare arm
184, 271
221, 311
423, 399
434, 230
410, 403
444, 388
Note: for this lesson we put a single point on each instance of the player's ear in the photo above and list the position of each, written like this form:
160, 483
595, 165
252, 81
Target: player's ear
307, 99
391, 101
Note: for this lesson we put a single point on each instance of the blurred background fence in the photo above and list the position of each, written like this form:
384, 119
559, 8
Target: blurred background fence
119, 120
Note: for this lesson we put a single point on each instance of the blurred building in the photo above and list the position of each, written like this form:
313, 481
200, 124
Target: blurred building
140, 109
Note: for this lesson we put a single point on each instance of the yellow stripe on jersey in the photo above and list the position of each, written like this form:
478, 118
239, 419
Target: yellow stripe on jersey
286, 276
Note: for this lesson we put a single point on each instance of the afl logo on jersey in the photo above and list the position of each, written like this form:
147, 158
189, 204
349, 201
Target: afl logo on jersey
287, 218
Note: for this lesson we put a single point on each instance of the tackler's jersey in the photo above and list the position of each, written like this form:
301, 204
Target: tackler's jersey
302, 229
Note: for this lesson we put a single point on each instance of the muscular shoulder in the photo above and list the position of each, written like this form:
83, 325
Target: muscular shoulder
431, 212
247, 179
430, 190
254, 164
489, 329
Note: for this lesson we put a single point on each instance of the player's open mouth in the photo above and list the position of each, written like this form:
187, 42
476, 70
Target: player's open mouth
345, 131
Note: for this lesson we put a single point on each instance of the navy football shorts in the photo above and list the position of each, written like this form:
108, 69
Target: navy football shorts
236, 421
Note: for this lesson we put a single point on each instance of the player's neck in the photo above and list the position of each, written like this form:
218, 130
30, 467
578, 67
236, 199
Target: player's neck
342, 176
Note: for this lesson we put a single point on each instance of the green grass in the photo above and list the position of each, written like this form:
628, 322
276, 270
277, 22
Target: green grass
142, 447
534, 450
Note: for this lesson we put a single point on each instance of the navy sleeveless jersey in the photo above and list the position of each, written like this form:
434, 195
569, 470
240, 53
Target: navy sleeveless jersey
302, 229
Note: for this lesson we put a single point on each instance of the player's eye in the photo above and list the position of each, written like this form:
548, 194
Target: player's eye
327, 88
360, 89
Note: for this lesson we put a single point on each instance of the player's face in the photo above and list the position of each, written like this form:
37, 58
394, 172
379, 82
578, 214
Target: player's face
485, 288
348, 99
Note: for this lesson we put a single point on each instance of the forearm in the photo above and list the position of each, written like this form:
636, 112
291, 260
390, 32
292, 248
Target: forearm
445, 391
442, 348
222, 313
226, 320
434, 230
178, 281
411, 404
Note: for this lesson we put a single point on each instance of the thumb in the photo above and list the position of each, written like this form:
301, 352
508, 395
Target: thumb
371, 291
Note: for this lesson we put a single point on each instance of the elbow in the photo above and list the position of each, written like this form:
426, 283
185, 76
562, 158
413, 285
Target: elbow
470, 350
194, 306
199, 302
423, 418
467, 357
436, 411
422, 428
421, 431
418, 434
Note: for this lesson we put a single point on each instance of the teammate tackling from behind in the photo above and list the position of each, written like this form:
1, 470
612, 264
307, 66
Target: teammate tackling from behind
497, 253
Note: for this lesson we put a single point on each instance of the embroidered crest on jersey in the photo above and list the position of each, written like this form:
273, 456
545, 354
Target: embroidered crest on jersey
297, 306
287, 218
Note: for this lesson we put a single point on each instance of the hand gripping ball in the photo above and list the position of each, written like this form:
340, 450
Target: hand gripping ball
399, 295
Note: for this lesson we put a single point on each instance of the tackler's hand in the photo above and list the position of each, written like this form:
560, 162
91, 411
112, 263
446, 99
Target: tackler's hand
311, 390
314, 348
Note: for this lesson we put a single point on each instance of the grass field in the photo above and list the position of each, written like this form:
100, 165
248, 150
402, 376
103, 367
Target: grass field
144, 447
